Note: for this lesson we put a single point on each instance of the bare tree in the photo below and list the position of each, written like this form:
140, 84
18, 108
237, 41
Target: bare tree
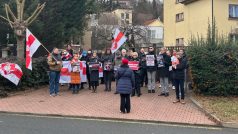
18, 23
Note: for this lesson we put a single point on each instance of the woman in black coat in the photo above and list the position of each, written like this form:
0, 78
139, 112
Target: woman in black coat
179, 76
137, 75
125, 83
108, 62
94, 71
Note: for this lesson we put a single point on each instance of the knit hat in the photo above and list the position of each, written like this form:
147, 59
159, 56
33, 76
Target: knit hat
124, 61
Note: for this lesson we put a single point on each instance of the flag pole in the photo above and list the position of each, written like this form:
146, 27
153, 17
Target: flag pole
45, 48
48, 51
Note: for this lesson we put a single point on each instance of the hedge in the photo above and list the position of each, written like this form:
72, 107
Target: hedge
214, 66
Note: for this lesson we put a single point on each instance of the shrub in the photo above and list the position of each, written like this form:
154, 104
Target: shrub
214, 65
35, 78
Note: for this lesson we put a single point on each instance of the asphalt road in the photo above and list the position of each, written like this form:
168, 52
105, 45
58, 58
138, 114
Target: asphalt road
28, 124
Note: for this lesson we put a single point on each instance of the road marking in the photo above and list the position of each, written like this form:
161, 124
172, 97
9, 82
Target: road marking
120, 121
1, 121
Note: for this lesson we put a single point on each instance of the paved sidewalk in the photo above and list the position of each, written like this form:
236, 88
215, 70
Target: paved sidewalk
148, 107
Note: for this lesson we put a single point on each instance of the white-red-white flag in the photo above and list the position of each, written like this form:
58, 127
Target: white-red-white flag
100, 71
32, 44
65, 72
83, 71
11, 72
119, 40
65, 76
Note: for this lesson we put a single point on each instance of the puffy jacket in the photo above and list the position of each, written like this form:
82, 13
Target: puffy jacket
125, 80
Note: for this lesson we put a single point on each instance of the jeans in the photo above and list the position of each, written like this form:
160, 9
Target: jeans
164, 82
108, 80
179, 83
54, 82
151, 79
125, 103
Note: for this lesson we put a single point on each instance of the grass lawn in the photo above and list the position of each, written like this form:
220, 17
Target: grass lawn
225, 108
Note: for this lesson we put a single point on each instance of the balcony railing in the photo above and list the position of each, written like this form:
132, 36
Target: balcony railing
187, 1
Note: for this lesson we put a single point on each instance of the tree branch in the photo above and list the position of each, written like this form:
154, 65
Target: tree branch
8, 10
22, 9
37, 14
6, 19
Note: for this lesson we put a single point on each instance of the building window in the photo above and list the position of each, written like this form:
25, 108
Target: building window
234, 37
127, 16
127, 22
233, 11
122, 16
179, 17
180, 42
152, 34
178, 1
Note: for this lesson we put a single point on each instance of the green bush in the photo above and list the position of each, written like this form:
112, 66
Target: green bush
214, 65
33, 79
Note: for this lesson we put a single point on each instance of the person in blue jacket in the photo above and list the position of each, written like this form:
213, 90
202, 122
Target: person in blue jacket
125, 84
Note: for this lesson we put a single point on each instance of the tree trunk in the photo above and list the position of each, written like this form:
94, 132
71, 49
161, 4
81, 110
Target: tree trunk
20, 48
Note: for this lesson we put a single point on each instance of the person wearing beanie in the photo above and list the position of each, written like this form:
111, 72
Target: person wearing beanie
125, 83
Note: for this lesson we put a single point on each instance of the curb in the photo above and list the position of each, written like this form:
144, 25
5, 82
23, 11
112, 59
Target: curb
109, 119
214, 117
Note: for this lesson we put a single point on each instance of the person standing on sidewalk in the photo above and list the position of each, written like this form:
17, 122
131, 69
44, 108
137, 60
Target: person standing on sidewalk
125, 83
107, 61
143, 71
94, 72
151, 64
123, 55
137, 73
179, 76
55, 64
164, 61
75, 74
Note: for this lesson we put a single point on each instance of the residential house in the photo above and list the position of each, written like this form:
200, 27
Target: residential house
155, 32
186, 18
124, 16
123, 3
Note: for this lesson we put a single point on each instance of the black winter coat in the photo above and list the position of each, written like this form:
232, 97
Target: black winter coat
94, 74
164, 71
179, 72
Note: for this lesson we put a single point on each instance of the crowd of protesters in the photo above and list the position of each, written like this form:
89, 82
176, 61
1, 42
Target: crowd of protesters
165, 66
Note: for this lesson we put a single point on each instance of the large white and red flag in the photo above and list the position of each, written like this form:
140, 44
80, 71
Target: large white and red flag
32, 44
100, 71
65, 72
11, 72
119, 40
83, 73
65, 76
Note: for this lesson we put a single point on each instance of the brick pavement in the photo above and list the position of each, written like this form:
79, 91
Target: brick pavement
148, 107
